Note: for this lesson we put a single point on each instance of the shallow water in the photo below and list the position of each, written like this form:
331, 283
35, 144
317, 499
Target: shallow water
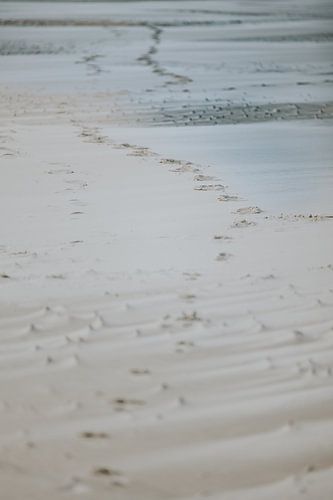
280, 166
254, 78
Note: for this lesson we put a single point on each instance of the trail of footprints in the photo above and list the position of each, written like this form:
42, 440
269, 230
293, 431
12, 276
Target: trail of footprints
202, 183
57, 338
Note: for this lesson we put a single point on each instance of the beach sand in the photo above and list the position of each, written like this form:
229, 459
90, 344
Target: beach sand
166, 324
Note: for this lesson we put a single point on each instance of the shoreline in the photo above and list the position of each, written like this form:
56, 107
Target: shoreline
190, 349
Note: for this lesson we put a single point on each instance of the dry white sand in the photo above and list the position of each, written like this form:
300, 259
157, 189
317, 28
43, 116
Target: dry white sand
162, 337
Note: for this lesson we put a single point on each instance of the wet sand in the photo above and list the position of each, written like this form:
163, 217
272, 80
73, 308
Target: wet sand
166, 302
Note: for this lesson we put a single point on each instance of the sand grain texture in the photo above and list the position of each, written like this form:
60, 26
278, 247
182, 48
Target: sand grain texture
163, 334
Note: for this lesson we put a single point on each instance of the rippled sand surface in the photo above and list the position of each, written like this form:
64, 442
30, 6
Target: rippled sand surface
166, 298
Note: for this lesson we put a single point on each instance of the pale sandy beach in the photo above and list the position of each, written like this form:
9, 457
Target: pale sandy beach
166, 269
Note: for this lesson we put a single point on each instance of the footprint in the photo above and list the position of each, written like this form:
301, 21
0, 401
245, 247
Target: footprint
186, 343
227, 197
94, 435
187, 296
66, 171
124, 145
184, 167
249, 210
299, 336
140, 371
170, 161
140, 151
193, 316
118, 478
192, 276
106, 471
210, 187
202, 178
244, 223
223, 256
222, 237
122, 403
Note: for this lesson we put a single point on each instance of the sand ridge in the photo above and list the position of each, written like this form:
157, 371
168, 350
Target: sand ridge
163, 336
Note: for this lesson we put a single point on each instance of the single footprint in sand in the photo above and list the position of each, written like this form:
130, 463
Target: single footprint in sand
299, 336
118, 478
106, 471
140, 152
170, 161
94, 435
124, 403
140, 371
77, 213
223, 256
243, 223
193, 316
186, 343
202, 178
184, 167
222, 237
192, 276
187, 296
210, 187
249, 210
268, 277
124, 145
227, 197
